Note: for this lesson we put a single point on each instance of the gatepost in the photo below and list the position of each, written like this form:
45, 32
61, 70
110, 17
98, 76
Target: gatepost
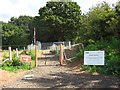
36, 56
61, 55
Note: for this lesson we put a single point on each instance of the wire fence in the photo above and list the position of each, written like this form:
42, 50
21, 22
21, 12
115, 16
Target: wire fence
40, 46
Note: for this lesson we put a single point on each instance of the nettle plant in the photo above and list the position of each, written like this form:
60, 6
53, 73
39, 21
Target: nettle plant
16, 64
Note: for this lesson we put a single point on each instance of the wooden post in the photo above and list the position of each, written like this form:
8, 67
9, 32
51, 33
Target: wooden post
69, 44
61, 55
10, 53
24, 48
36, 56
16, 52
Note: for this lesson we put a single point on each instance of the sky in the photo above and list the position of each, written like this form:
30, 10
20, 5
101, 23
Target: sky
10, 8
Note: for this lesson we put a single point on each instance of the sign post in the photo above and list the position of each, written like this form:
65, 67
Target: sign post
94, 57
36, 52
26, 58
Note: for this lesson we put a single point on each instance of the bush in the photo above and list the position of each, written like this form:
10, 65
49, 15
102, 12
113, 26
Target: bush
30, 52
112, 57
26, 66
16, 61
7, 63
11, 68
80, 54
15, 64
5, 54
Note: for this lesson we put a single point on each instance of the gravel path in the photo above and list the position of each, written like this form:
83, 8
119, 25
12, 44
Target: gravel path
52, 76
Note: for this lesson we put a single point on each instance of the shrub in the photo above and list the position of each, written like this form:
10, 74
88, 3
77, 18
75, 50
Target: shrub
112, 57
15, 64
16, 61
7, 63
11, 68
30, 52
5, 54
26, 65
80, 54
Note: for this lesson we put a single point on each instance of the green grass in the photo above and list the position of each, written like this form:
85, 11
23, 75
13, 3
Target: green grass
10, 68
23, 66
32, 63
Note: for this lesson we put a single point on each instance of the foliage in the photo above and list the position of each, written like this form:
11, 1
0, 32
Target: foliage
5, 54
80, 54
100, 31
99, 23
7, 63
32, 53
16, 61
16, 31
29, 52
10, 68
112, 58
15, 64
58, 21
26, 65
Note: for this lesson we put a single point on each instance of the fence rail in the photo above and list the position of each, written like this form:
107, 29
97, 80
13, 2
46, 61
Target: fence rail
40, 46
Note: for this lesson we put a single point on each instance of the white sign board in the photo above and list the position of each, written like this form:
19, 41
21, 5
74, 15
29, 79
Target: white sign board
94, 57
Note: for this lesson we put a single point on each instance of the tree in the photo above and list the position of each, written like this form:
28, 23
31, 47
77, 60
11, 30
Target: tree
58, 21
116, 21
17, 31
12, 35
23, 22
96, 23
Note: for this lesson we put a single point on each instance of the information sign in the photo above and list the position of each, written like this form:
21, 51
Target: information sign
94, 57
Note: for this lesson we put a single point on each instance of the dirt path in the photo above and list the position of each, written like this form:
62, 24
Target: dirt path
52, 75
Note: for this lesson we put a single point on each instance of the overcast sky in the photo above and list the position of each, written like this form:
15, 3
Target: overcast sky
10, 8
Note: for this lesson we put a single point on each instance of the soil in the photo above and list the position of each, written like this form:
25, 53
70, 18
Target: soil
49, 74
8, 77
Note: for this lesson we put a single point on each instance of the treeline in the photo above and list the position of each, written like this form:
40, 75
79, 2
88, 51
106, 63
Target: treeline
62, 21
16, 31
